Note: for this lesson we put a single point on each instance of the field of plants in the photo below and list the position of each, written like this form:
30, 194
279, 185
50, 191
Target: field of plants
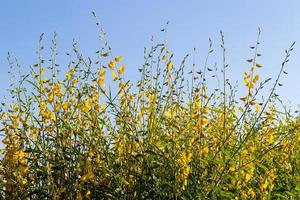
89, 133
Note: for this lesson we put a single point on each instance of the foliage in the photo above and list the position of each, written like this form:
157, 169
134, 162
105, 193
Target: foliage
168, 136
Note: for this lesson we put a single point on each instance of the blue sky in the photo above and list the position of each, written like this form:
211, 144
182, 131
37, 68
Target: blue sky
130, 25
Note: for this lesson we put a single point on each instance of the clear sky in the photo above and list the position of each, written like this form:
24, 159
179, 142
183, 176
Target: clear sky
131, 23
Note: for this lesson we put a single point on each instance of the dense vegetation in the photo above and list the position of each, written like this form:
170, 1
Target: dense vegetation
168, 136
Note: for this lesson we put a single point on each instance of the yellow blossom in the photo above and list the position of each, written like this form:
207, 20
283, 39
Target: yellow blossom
42, 71
205, 149
24, 181
88, 193
250, 85
56, 89
247, 177
65, 105
74, 81
121, 69
168, 114
101, 81
271, 139
256, 78
257, 107
56, 107
111, 64
114, 76
170, 64
86, 106
68, 77
119, 58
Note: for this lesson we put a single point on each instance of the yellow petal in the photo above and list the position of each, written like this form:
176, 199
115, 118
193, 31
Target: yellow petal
256, 78
102, 73
56, 107
68, 77
114, 76
168, 114
170, 64
101, 81
88, 193
121, 69
42, 71
111, 64
119, 58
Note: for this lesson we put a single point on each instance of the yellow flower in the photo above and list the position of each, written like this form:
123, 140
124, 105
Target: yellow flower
101, 81
74, 81
251, 192
250, 85
193, 139
121, 69
264, 185
111, 64
101, 78
86, 106
114, 76
2, 116
102, 73
168, 114
271, 139
88, 193
56, 107
119, 58
50, 97
72, 70
247, 75
24, 182
247, 177
52, 116
68, 77
203, 121
257, 107
256, 78
170, 64
83, 178
33, 134
65, 105
43, 106
186, 171
56, 89
205, 150
246, 81
42, 71
15, 122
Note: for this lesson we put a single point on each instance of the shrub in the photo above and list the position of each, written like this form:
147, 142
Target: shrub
169, 136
